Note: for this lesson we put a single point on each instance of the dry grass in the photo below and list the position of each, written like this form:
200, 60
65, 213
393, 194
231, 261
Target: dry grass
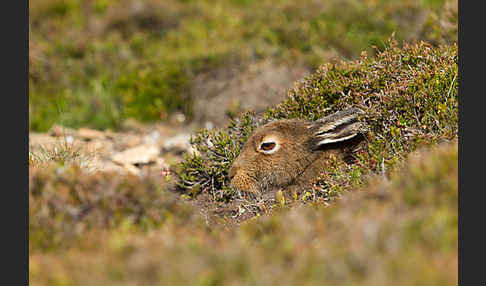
397, 232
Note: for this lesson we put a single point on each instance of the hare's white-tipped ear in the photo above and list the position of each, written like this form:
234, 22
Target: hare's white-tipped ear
337, 127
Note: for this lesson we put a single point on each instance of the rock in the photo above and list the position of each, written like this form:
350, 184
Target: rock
127, 168
90, 134
104, 147
143, 154
178, 144
151, 138
69, 139
208, 125
109, 166
109, 134
132, 169
161, 164
125, 141
131, 124
58, 131
165, 130
91, 163
177, 118
40, 139
155, 169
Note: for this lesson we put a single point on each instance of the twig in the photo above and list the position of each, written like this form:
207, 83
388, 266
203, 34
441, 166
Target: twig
452, 84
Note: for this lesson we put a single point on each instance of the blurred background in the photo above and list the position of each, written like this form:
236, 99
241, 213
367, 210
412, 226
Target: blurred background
102, 63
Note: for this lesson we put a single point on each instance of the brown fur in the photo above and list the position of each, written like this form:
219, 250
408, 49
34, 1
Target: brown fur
299, 158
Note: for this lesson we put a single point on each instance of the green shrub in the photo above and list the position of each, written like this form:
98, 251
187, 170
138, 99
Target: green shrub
409, 96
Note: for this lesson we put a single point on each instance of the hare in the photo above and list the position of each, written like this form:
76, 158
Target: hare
289, 154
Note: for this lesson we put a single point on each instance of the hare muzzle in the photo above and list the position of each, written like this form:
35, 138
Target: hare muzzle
240, 180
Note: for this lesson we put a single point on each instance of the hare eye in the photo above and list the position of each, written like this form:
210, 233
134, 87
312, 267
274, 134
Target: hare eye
268, 146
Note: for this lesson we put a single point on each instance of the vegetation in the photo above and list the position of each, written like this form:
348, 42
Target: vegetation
388, 218
409, 96
401, 232
64, 202
96, 63
62, 154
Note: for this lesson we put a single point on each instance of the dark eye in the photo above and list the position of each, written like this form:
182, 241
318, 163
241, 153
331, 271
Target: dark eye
267, 146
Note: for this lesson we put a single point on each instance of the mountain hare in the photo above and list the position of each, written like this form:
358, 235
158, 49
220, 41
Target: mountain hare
289, 154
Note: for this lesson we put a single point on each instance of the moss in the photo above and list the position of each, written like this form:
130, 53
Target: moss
409, 95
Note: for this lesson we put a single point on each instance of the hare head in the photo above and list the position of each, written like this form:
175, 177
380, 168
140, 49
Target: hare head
280, 153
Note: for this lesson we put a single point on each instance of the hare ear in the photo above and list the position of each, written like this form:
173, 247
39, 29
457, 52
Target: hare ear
337, 127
